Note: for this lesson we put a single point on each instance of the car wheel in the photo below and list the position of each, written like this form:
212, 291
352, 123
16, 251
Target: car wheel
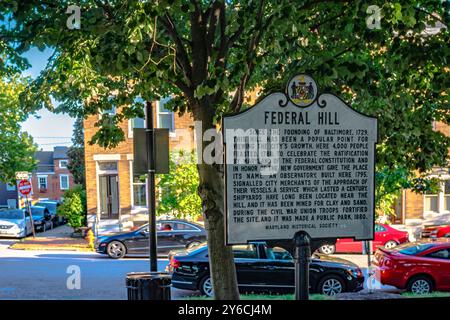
192, 244
390, 244
327, 249
116, 250
206, 287
420, 285
331, 285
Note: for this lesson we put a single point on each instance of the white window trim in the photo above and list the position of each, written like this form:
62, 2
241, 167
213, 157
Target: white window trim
60, 182
107, 157
440, 203
9, 201
61, 161
133, 207
46, 181
171, 133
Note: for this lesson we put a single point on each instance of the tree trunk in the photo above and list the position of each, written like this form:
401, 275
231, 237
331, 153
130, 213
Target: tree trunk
221, 259
211, 191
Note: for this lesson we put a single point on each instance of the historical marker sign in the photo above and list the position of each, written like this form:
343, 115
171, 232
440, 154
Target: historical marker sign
300, 161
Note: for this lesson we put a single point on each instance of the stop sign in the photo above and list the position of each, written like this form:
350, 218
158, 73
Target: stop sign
24, 187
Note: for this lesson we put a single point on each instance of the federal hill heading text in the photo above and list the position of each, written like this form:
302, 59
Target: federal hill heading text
292, 117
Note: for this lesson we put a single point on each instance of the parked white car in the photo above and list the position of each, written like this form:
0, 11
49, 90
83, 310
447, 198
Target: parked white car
15, 223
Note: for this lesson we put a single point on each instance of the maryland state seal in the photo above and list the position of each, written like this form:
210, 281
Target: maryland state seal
302, 90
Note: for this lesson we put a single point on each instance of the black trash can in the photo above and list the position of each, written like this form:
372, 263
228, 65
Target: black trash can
148, 286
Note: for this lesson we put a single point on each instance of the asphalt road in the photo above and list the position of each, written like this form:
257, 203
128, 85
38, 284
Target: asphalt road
51, 274
45, 275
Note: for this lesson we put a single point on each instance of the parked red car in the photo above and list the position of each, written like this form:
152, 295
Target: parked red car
385, 236
420, 267
436, 232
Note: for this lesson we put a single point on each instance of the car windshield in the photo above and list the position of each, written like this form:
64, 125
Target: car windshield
48, 205
37, 212
412, 248
197, 249
11, 214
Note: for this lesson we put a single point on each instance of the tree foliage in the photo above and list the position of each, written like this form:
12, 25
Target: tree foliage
74, 207
178, 195
16, 147
75, 153
390, 183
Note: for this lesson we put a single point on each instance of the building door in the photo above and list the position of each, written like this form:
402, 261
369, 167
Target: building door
109, 196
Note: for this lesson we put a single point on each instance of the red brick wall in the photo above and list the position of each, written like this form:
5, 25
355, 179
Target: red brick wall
53, 191
184, 135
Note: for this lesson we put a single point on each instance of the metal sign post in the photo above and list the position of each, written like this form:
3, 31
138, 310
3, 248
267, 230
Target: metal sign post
31, 216
151, 186
368, 251
302, 259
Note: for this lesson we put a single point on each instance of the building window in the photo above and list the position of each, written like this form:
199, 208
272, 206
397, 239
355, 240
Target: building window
42, 181
107, 166
447, 195
431, 202
165, 116
12, 203
135, 123
139, 192
10, 187
64, 182
63, 164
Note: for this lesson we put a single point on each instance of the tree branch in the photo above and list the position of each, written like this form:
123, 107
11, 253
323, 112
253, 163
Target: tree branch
182, 56
253, 43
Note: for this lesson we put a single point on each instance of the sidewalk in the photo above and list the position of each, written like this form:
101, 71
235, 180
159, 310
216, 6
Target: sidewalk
58, 238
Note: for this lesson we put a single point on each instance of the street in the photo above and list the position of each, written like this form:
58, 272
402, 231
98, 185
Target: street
102, 278
43, 274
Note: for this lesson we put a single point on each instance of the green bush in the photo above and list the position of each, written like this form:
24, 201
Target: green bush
74, 207
178, 189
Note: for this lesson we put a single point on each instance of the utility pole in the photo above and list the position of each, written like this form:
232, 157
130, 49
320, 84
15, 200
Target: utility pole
150, 135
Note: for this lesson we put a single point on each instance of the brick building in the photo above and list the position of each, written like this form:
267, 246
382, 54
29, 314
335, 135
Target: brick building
51, 178
116, 198
414, 210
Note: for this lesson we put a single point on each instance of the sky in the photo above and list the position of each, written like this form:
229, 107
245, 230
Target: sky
48, 129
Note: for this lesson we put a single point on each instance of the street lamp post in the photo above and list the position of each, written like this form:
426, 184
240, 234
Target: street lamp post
150, 133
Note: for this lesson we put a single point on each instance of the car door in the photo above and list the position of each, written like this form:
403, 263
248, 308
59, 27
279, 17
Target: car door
250, 268
348, 245
166, 237
381, 236
439, 263
185, 233
138, 243
28, 221
279, 271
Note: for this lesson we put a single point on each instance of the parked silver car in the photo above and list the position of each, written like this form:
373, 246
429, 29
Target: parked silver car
15, 223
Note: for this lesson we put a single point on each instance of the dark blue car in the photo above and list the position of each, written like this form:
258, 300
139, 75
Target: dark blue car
260, 268
172, 234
